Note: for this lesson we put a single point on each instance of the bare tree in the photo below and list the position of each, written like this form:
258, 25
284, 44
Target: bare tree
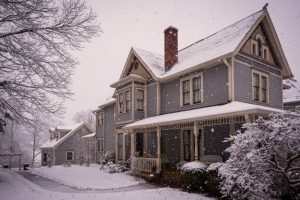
85, 116
36, 37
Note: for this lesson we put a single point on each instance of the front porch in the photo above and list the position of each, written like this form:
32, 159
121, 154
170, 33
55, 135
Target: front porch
165, 147
166, 141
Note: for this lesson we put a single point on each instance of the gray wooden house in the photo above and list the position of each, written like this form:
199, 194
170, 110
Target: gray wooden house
181, 105
65, 144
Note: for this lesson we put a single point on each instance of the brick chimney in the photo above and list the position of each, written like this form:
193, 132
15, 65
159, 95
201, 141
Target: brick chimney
171, 47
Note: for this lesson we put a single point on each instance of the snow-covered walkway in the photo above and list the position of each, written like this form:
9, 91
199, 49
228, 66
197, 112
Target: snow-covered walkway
15, 187
54, 186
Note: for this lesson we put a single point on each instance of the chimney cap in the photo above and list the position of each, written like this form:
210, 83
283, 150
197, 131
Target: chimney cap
171, 28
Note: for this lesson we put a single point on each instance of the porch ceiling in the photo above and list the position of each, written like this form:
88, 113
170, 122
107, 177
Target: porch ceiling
234, 108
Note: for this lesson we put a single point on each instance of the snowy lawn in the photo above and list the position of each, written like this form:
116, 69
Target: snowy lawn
15, 187
83, 177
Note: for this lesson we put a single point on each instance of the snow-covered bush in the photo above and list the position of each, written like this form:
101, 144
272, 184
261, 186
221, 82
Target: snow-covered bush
264, 161
213, 180
111, 167
108, 157
194, 176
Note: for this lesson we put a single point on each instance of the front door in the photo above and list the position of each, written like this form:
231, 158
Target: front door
139, 144
187, 145
44, 159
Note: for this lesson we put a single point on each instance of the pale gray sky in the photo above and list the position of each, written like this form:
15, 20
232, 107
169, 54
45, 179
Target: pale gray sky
141, 23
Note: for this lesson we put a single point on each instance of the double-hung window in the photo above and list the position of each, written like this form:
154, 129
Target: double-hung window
191, 90
100, 146
121, 102
69, 155
127, 101
101, 119
260, 86
140, 100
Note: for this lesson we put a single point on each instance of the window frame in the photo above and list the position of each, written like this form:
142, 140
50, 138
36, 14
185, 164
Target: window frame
260, 75
191, 89
101, 119
100, 145
124, 101
254, 51
127, 101
142, 100
66, 156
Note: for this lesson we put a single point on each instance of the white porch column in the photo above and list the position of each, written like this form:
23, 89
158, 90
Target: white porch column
124, 148
132, 144
202, 143
158, 168
196, 134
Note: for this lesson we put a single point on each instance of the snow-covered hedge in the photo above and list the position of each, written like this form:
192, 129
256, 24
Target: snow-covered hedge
194, 176
264, 161
111, 167
193, 166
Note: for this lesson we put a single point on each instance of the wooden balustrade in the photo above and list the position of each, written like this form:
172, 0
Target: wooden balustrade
140, 164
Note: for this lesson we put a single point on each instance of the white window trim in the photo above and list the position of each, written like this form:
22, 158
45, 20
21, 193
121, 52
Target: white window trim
190, 78
260, 93
136, 105
124, 101
263, 50
256, 47
101, 142
259, 37
67, 154
100, 119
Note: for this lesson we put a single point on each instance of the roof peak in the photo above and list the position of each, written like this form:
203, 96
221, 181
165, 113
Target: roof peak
224, 28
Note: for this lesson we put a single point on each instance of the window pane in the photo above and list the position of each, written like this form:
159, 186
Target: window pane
186, 98
255, 79
263, 82
186, 86
196, 96
196, 83
256, 94
264, 95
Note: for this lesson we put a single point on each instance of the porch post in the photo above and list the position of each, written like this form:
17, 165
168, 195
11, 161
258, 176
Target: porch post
196, 134
124, 148
132, 144
158, 168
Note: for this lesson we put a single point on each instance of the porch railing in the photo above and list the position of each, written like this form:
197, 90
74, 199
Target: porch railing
140, 164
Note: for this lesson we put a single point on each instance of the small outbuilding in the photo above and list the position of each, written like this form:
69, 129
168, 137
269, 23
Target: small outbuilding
65, 145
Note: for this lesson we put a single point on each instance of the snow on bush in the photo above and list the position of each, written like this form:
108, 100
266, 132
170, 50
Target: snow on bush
214, 166
194, 166
111, 168
264, 161
108, 157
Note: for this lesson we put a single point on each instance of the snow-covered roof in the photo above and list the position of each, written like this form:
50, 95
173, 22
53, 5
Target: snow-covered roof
231, 109
217, 45
292, 94
89, 135
54, 142
107, 101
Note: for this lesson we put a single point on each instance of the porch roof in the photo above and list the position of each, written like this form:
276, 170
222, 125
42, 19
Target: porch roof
234, 108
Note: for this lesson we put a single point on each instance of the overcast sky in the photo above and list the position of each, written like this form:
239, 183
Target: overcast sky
141, 24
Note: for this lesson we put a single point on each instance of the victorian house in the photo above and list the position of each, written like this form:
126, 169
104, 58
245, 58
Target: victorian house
181, 105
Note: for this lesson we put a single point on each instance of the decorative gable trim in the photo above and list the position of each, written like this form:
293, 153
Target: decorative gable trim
287, 73
132, 53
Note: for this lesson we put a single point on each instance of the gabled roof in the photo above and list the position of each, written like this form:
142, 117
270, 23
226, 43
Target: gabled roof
54, 142
227, 110
222, 44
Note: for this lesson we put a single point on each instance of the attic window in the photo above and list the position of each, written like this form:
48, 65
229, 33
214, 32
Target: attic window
259, 48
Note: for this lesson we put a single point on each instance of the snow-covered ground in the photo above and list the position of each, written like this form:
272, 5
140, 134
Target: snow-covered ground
83, 177
15, 187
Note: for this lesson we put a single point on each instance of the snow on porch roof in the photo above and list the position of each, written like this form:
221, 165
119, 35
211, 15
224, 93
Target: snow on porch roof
231, 109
